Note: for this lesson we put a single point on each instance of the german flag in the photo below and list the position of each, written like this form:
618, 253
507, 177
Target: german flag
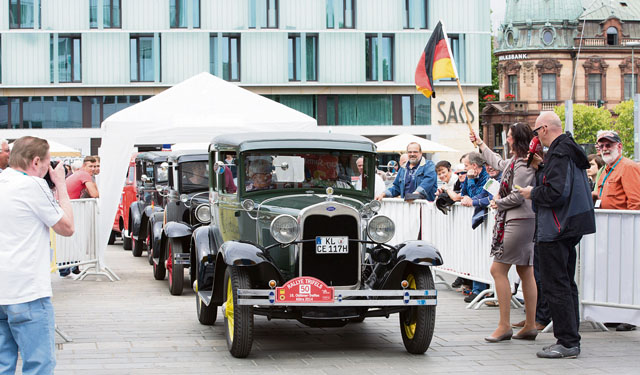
435, 63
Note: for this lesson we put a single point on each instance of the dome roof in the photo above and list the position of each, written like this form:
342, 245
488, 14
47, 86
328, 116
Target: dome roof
542, 11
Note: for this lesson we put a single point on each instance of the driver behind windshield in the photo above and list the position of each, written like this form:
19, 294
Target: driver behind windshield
195, 174
259, 175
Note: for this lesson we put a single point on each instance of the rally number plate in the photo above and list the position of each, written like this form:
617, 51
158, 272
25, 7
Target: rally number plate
332, 245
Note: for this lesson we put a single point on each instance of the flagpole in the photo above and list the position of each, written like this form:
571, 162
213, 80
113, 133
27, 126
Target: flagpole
455, 70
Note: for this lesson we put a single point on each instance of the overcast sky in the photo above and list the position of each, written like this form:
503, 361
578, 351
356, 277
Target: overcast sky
497, 13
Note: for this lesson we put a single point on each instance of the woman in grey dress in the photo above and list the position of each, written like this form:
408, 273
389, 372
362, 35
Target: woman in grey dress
514, 230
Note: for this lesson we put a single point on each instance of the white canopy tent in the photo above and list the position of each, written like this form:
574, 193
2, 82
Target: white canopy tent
59, 150
195, 110
399, 143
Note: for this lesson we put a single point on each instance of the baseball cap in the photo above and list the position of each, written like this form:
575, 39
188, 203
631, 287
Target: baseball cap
609, 135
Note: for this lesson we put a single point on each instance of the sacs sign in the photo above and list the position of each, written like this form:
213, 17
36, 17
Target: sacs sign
452, 112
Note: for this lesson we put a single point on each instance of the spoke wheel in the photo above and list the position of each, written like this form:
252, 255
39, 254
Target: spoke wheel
207, 315
176, 271
417, 323
238, 319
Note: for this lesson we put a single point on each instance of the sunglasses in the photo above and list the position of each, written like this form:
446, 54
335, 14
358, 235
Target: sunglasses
535, 131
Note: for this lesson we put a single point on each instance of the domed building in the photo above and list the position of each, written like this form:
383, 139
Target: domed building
550, 51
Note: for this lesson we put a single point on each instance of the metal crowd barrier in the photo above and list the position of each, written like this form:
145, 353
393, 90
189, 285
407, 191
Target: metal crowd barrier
81, 249
465, 251
610, 268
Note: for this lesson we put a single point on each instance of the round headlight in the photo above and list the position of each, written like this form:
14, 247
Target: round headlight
284, 229
203, 213
375, 206
381, 229
248, 205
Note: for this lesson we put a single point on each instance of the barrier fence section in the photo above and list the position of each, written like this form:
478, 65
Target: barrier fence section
465, 251
81, 249
610, 268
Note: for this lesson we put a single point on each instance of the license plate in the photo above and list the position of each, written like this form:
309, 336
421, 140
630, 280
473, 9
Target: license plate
332, 245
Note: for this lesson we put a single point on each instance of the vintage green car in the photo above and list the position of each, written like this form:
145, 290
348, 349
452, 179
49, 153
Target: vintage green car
297, 235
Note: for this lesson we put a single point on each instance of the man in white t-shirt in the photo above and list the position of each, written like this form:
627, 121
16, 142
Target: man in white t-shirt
28, 211
378, 187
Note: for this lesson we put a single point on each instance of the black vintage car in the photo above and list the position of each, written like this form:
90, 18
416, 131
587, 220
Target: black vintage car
186, 208
150, 174
301, 238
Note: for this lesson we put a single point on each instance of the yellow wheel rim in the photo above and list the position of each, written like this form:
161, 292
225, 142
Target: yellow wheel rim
410, 329
228, 311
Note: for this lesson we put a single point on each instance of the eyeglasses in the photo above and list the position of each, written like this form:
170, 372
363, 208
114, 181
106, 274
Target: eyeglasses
601, 146
535, 131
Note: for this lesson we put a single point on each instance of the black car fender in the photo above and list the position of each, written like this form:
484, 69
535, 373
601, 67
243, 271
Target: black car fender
147, 213
413, 255
204, 248
135, 217
155, 224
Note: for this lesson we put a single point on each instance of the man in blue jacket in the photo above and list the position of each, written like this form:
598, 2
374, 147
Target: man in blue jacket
418, 177
564, 213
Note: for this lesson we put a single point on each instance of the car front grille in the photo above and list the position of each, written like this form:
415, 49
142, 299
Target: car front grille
333, 269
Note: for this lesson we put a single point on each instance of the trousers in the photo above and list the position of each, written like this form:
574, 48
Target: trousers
29, 328
543, 316
557, 272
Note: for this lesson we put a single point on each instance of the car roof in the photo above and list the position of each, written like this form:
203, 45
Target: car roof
294, 140
154, 156
188, 155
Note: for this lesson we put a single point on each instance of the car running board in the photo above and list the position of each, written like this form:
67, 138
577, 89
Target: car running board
374, 298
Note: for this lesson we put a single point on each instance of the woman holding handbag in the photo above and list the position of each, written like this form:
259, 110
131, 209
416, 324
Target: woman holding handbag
513, 233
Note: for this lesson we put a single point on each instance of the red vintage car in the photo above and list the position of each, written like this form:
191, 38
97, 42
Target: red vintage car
128, 196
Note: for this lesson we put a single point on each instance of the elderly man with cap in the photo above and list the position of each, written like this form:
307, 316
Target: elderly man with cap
4, 154
618, 187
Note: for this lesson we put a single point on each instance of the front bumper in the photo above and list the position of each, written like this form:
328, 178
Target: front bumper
362, 298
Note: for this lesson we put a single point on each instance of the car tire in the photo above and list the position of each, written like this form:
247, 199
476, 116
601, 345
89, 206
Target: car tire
126, 242
238, 320
207, 315
150, 246
418, 322
138, 246
159, 270
112, 238
176, 271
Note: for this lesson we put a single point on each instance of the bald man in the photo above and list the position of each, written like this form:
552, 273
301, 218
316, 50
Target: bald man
4, 154
564, 213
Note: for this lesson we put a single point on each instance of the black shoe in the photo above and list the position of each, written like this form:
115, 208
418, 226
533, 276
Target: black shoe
624, 327
558, 351
75, 270
470, 297
457, 283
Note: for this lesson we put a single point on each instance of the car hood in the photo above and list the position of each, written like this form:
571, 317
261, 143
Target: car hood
293, 204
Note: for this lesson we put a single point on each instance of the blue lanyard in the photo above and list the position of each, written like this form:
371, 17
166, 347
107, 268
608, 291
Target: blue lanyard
605, 177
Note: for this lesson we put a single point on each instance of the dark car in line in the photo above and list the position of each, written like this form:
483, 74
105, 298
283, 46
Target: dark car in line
297, 235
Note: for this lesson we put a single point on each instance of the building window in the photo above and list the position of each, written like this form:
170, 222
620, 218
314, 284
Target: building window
513, 86
263, 13
456, 53
371, 56
595, 87
415, 12
312, 57
414, 110
548, 87
229, 56
612, 36
4, 113
179, 13
547, 37
294, 57
142, 58
355, 110
497, 137
111, 14
22, 13
301, 103
69, 59
341, 13
629, 87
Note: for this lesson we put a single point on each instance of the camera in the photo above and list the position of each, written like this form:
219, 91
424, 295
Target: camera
48, 178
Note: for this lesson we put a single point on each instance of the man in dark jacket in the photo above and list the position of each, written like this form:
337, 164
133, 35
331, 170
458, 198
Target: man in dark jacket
564, 213
416, 177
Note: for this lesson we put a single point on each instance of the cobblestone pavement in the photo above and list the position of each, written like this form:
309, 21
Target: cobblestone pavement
134, 326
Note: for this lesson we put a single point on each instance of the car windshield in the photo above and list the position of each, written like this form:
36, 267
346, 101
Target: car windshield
342, 170
194, 176
163, 174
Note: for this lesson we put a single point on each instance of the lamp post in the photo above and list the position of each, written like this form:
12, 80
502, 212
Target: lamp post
633, 75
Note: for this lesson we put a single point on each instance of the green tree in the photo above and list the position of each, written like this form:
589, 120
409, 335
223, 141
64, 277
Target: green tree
586, 121
495, 84
624, 126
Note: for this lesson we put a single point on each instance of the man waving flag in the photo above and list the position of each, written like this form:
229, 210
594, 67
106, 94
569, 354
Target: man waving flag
435, 63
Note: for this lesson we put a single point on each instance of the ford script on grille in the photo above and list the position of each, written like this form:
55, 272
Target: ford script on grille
332, 245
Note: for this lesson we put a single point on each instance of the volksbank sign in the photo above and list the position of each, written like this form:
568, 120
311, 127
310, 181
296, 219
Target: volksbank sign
515, 56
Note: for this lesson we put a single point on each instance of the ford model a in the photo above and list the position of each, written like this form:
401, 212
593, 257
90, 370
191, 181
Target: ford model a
187, 207
301, 238
150, 174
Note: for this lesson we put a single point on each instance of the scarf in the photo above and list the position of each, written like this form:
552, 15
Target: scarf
497, 242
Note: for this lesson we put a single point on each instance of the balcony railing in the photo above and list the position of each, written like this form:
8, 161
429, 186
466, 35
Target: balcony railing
512, 105
602, 42
549, 105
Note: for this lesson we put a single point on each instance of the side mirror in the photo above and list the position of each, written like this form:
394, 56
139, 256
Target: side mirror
218, 167
144, 178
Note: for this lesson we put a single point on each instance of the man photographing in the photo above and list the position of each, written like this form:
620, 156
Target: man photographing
29, 210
